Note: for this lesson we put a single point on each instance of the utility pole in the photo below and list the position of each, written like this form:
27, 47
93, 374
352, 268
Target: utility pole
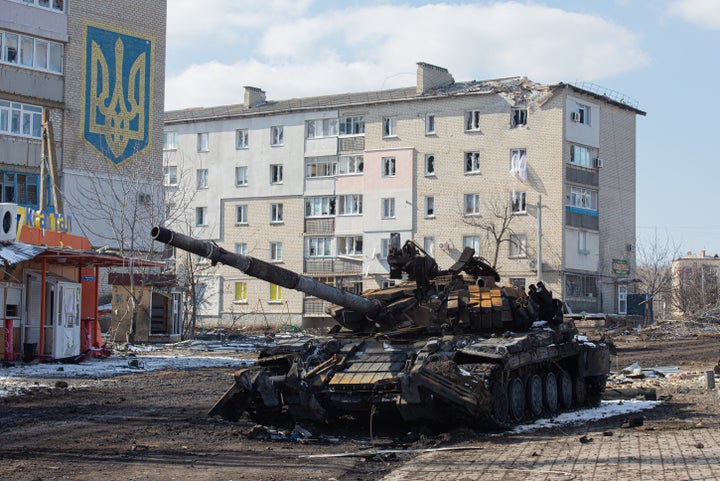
539, 241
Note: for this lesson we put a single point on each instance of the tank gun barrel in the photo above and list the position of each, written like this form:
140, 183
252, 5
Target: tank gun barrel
268, 272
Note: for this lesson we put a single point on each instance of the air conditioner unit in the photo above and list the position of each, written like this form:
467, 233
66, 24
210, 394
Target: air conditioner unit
8, 217
575, 116
598, 162
442, 245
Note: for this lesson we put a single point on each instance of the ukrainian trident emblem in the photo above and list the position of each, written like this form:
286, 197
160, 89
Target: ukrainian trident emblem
117, 113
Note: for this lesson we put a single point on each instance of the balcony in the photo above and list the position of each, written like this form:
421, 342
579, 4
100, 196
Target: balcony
332, 266
356, 143
325, 226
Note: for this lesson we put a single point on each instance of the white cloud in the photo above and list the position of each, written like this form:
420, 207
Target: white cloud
369, 48
702, 12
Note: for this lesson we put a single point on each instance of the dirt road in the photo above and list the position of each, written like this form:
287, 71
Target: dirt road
153, 426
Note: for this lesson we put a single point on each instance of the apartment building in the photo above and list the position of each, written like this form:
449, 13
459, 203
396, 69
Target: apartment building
538, 179
97, 68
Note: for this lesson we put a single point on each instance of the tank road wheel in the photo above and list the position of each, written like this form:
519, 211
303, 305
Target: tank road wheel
565, 390
499, 407
550, 392
534, 394
516, 399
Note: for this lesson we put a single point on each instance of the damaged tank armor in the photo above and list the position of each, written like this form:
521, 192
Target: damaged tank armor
442, 347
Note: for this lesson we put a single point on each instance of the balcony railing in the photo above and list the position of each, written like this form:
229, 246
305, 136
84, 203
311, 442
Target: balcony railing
332, 265
325, 226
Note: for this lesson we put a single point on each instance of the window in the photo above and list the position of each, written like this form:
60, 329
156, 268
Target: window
519, 117
276, 251
582, 243
472, 162
319, 246
276, 174
388, 208
384, 248
351, 164
472, 120
387, 283
472, 204
276, 213
581, 197
429, 206
319, 206
518, 245
203, 142
389, 126
581, 114
19, 189
171, 175
472, 241
241, 139
202, 178
240, 292
20, 119
352, 126
241, 176
429, 124
49, 4
275, 292
276, 135
429, 245
170, 141
518, 164
517, 201
388, 167
201, 216
350, 204
241, 248
581, 156
580, 286
241, 214
31, 52
315, 129
350, 245
197, 259
429, 165
320, 167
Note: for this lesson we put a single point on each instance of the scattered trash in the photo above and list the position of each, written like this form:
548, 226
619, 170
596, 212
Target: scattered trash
135, 364
61, 384
633, 422
585, 440
699, 445
607, 433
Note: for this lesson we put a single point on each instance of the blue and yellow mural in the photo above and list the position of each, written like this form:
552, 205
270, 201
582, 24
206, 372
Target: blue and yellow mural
117, 92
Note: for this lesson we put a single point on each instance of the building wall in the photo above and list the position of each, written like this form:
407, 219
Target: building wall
546, 139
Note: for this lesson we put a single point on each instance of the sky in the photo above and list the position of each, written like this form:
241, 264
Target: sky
660, 55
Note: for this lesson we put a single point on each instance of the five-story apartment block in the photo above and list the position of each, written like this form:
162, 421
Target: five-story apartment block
522, 172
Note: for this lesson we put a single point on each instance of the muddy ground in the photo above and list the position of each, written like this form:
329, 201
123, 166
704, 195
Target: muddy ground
153, 426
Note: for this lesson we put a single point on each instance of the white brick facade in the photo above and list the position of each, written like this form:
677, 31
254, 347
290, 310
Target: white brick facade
489, 121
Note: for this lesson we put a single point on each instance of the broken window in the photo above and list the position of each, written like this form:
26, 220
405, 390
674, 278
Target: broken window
518, 245
519, 117
350, 245
472, 120
276, 213
388, 167
351, 164
517, 201
472, 162
429, 164
429, 206
389, 126
352, 126
276, 174
276, 135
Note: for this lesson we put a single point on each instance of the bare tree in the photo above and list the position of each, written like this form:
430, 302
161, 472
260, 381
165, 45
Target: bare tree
117, 207
696, 287
654, 269
497, 225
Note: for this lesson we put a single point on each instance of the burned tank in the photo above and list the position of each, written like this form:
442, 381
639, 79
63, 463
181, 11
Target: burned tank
441, 347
